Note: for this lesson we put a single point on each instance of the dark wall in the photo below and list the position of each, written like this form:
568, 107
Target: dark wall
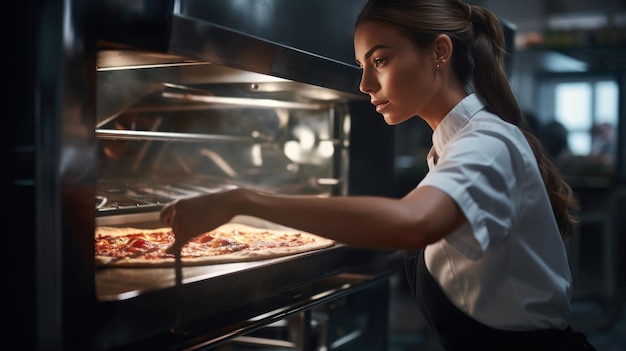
18, 175
371, 152
323, 27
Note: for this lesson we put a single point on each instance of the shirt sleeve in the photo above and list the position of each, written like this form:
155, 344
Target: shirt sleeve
475, 170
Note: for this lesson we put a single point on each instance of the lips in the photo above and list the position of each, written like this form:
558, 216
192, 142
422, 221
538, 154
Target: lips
380, 105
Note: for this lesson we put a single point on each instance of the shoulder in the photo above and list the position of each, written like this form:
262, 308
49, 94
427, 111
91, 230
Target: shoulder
490, 135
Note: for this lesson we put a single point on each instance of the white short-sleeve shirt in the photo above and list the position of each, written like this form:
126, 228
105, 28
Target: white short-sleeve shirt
507, 266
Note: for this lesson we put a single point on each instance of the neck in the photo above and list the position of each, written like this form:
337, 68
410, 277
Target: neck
441, 107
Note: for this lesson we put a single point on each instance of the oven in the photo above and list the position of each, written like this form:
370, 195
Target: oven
139, 103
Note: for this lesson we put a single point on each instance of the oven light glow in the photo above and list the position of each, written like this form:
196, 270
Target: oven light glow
306, 138
248, 102
292, 150
255, 153
129, 295
326, 148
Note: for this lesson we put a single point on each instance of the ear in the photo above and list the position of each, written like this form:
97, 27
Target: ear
443, 50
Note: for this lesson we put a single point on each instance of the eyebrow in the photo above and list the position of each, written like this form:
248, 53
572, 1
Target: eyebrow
371, 51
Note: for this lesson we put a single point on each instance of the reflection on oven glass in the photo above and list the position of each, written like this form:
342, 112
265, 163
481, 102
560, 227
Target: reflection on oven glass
162, 142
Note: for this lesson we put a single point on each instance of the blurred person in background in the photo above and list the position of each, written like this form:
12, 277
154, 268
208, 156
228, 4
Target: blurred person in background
553, 135
603, 143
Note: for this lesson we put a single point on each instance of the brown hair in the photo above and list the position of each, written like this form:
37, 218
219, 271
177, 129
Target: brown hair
477, 59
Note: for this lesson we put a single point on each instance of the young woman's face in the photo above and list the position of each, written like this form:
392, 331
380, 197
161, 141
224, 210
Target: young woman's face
400, 80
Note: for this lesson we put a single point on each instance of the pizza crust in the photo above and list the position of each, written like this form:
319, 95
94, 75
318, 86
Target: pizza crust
317, 243
121, 231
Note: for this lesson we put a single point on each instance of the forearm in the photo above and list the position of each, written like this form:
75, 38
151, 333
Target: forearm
424, 216
362, 221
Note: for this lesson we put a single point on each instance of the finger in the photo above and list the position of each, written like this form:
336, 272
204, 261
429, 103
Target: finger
166, 215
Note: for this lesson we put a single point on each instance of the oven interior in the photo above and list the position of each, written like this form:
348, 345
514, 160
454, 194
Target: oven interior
168, 130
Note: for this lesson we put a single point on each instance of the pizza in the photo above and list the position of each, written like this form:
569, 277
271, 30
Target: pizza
231, 242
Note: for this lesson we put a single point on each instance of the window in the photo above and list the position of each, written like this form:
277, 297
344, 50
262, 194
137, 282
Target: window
573, 109
578, 117
588, 110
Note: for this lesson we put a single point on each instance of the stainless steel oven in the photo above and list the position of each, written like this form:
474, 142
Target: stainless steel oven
132, 104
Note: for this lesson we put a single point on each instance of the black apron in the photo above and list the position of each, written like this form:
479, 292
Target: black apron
455, 330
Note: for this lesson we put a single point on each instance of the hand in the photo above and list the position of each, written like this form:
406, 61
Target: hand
197, 215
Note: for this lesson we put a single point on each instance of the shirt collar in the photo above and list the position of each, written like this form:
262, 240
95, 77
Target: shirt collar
455, 120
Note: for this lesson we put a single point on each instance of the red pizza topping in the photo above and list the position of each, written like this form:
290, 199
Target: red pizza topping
153, 245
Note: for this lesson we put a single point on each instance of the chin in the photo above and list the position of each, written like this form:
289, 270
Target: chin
393, 120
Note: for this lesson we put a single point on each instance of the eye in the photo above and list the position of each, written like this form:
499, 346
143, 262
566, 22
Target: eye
378, 62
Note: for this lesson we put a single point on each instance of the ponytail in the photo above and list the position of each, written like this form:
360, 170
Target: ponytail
491, 85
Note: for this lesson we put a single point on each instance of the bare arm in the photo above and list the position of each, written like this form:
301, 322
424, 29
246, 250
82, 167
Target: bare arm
423, 216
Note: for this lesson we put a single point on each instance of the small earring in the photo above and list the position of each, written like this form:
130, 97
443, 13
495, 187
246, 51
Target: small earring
437, 66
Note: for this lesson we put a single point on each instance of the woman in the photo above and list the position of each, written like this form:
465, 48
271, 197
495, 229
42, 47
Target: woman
487, 221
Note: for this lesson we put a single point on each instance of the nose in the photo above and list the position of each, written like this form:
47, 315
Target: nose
368, 82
